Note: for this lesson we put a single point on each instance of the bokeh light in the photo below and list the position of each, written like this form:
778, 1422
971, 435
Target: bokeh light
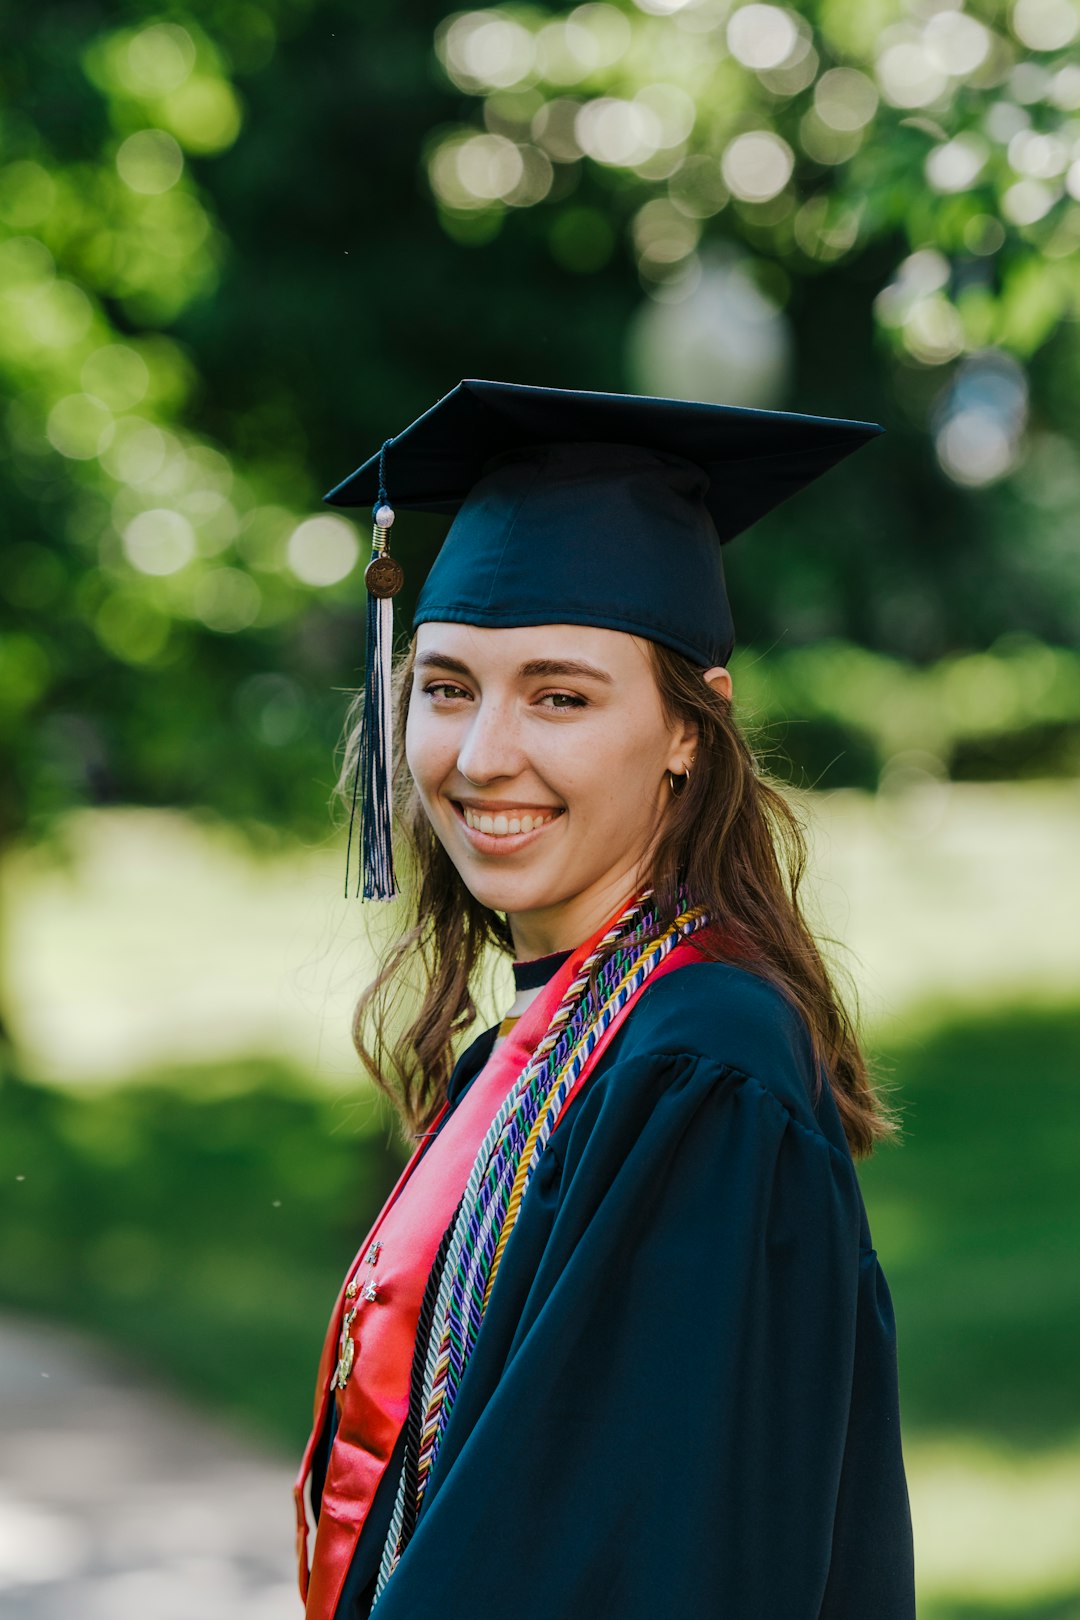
663, 235
58, 315
150, 161
322, 550
203, 113
724, 341
907, 75
797, 72
485, 50
617, 132
592, 37
1028, 201
137, 452
488, 166
673, 109
761, 36
159, 58
662, 8
474, 171
981, 419
80, 426
1041, 156
1045, 25
918, 276
159, 541
757, 165
955, 42
1064, 88
956, 164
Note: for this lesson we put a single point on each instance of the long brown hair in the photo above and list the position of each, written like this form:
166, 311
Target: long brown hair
730, 838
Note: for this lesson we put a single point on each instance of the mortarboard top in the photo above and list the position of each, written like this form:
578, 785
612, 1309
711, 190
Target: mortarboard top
574, 508
589, 508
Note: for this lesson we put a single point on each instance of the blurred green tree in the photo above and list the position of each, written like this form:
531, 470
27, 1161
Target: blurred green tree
851, 208
240, 244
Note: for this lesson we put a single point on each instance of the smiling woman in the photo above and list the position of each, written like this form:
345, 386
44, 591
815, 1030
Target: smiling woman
542, 769
619, 1344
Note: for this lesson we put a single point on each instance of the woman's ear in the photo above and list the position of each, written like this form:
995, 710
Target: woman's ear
719, 679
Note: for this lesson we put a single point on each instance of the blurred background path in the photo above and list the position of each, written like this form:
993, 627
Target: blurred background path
118, 1502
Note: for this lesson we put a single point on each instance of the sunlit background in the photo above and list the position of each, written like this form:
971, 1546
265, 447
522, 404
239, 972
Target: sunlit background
239, 246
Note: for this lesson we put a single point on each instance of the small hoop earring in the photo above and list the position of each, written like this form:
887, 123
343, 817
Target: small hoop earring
684, 779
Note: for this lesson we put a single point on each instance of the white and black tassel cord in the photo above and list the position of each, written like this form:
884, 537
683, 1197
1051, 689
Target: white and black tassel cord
383, 578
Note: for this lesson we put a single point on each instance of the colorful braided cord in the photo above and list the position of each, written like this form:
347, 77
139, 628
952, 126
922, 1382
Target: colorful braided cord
506, 1160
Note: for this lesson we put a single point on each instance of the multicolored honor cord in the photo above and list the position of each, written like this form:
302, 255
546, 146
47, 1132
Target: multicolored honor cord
500, 1176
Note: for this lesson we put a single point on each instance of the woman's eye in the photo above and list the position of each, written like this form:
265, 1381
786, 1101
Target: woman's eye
564, 700
445, 691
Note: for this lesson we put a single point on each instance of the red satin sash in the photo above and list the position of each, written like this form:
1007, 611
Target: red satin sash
394, 1262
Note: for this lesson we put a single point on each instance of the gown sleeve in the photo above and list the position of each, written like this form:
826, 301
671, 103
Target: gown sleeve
682, 1402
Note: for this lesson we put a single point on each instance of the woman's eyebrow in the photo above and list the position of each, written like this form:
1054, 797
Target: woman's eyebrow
535, 666
564, 666
437, 660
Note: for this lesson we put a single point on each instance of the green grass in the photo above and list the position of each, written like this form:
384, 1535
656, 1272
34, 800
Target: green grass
977, 1223
1055, 1608
203, 1217
202, 1220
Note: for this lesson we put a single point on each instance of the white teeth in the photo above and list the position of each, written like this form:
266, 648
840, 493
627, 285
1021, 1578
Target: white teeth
501, 826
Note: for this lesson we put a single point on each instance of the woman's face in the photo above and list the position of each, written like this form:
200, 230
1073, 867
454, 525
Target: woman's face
541, 757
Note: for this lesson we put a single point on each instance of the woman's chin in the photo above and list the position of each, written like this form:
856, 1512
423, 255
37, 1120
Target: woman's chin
501, 894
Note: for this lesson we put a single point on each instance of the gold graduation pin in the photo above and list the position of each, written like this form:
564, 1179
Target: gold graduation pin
346, 1352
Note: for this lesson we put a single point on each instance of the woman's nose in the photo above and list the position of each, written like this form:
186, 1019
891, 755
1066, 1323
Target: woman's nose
489, 748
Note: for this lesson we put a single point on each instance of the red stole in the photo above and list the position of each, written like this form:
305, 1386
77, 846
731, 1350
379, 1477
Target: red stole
395, 1260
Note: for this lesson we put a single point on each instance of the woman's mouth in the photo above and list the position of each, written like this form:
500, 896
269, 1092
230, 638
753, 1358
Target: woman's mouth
508, 828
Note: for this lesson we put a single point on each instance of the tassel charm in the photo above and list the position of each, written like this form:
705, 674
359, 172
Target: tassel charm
384, 575
383, 578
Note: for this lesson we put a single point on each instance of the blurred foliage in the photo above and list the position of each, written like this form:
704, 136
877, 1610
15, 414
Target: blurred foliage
205, 1221
836, 715
807, 133
157, 636
978, 1220
232, 259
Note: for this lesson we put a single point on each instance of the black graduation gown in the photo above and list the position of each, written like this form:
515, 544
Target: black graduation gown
683, 1400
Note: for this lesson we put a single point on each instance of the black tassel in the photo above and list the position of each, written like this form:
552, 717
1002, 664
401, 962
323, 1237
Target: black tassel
383, 578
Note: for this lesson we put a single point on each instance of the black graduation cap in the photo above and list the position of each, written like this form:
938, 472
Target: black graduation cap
573, 508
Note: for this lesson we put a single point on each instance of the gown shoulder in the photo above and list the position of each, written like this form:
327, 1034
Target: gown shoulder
741, 1025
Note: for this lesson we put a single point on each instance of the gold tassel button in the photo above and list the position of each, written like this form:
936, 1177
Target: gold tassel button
384, 575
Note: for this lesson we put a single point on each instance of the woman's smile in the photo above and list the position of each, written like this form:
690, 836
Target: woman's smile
494, 828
